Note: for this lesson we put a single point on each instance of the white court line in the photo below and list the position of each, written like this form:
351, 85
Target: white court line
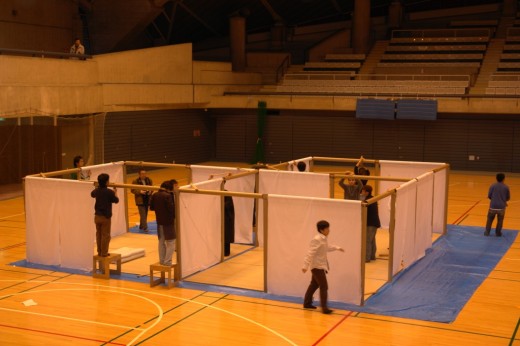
158, 319
7, 217
69, 318
115, 289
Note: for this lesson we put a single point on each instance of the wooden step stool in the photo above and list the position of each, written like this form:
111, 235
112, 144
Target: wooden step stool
158, 267
103, 270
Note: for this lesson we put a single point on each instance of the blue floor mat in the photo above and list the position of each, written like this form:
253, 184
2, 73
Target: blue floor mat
152, 228
437, 287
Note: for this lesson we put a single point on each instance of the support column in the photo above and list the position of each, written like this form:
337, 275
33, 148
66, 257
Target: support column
278, 35
237, 36
395, 14
361, 27
509, 8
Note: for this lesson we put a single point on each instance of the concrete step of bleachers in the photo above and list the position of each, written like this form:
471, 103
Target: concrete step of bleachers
373, 57
489, 66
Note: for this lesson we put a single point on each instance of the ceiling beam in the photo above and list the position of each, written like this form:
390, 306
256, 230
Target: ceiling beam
270, 9
200, 20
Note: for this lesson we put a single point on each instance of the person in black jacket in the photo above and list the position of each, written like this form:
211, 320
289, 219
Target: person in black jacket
229, 224
103, 213
162, 202
373, 223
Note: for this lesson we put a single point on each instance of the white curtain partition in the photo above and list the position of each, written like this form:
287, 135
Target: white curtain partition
409, 169
200, 228
243, 205
289, 183
424, 214
292, 225
292, 165
439, 200
60, 226
204, 173
413, 221
404, 234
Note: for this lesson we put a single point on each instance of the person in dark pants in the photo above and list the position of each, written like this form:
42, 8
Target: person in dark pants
316, 259
229, 224
373, 223
162, 202
499, 195
103, 213
142, 199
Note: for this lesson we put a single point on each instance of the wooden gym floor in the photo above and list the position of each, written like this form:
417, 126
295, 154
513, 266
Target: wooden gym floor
81, 310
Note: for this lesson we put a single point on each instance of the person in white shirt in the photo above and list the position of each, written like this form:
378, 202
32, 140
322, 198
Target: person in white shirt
77, 47
316, 259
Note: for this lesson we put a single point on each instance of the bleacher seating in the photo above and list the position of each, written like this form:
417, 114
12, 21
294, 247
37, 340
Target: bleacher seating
374, 84
504, 84
510, 58
332, 66
437, 52
345, 57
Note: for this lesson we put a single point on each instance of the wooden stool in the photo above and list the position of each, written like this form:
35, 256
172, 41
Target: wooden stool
103, 270
157, 267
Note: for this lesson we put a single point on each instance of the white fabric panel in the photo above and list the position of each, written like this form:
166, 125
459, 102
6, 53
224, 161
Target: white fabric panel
243, 206
200, 229
203, 173
292, 225
42, 232
289, 183
398, 169
404, 233
116, 173
60, 222
292, 165
439, 200
294, 183
424, 214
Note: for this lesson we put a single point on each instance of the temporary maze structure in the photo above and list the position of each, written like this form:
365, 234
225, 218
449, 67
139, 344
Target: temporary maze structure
289, 203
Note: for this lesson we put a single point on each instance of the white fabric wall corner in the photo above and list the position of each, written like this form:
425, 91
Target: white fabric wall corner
292, 225
424, 214
399, 169
60, 218
243, 205
289, 183
404, 234
439, 200
59, 222
200, 229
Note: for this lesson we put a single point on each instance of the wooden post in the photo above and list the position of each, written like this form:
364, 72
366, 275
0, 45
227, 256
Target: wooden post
391, 235
363, 249
266, 237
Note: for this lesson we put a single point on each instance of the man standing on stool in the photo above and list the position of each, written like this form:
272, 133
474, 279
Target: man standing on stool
373, 223
316, 259
162, 202
142, 199
499, 195
103, 213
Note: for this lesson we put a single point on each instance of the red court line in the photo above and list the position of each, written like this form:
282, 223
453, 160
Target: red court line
463, 214
58, 334
12, 246
331, 329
